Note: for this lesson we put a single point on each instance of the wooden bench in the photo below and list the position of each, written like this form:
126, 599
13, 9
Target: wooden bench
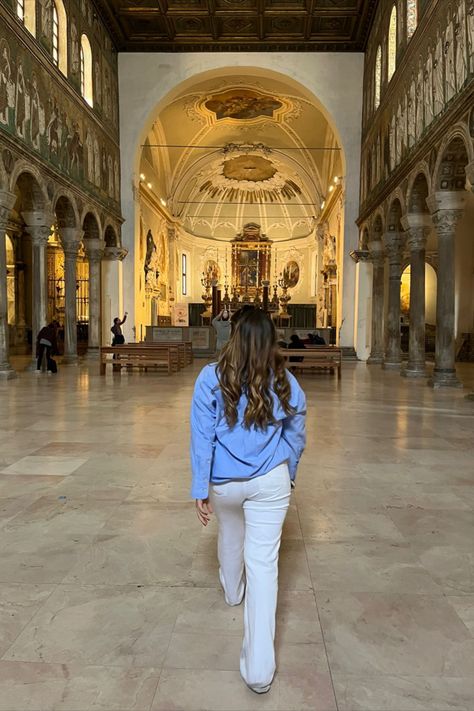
160, 357
314, 357
186, 347
183, 356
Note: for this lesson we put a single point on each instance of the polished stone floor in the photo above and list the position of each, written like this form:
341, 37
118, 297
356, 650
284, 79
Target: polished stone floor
108, 586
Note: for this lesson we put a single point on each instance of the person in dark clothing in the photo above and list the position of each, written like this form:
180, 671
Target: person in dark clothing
318, 340
47, 344
118, 339
296, 343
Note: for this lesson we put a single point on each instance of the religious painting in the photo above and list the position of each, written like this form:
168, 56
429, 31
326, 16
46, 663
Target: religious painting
248, 268
291, 274
211, 269
242, 105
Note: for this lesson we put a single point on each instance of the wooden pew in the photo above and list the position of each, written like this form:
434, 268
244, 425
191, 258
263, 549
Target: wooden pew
161, 357
186, 347
315, 357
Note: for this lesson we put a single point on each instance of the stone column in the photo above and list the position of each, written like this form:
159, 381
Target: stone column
378, 261
418, 228
112, 290
95, 252
7, 200
446, 209
470, 186
70, 240
393, 246
38, 226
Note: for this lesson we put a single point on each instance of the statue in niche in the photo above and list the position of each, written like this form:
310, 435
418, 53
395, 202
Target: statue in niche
98, 82
329, 253
412, 115
429, 89
393, 144
106, 95
47, 18
450, 62
7, 86
461, 50
438, 80
420, 104
151, 266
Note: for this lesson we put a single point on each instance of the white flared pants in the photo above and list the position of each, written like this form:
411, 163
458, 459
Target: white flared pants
250, 514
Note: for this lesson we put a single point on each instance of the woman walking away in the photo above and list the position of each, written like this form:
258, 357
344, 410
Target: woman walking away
247, 436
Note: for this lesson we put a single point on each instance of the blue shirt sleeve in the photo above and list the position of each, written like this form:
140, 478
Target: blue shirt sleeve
294, 427
203, 432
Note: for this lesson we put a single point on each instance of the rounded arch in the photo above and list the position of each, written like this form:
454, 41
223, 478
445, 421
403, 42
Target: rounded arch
395, 213
91, 226
65, 209
28, 180
377, 225
364, 237
418, 179
455, 153
110, 236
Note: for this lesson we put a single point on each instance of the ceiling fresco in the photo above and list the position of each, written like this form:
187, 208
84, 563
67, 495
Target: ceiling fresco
239, 25
269, 160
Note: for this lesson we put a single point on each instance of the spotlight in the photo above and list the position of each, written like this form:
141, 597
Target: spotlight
163, 202
149, 185
142, 176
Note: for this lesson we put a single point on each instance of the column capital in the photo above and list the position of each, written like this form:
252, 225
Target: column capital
446, 201
115, 253
393, 243
416, 219
38, 225
71, 240
376, 251
7, 200
470, 175
94, 249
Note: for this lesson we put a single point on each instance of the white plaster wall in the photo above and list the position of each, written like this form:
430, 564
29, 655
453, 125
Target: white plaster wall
334, 79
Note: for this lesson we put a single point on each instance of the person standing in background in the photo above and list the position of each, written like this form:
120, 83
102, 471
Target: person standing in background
222, 326
118, 339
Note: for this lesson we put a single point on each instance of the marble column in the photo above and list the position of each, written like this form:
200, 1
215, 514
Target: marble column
418, 227
378, 263
70, 240
393, 246
7, 200
95, 252
446, 209
112, 290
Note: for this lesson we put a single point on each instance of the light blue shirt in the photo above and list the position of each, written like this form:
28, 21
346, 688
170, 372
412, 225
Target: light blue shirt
220, 453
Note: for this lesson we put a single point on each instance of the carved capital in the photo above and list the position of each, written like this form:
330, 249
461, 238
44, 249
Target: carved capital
446, 200
393, 243
115, 253
417, 238
94, 249
446, 222
39, 234
377, 254
7, 200
71, 239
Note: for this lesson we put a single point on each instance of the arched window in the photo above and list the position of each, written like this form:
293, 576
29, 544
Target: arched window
392, 43
86, 70
378, 77
26, 13
412, 17
59, 36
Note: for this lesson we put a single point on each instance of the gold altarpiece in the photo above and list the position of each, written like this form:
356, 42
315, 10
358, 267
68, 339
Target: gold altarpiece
251, 261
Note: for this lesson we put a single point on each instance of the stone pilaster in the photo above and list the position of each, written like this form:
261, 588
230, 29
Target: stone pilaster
38, 225
377, 258
446, 208
418, 227
7, 200
393, 242
95, 252
71, 240
470, 186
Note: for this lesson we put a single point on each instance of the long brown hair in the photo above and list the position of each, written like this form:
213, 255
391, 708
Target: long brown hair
251, 363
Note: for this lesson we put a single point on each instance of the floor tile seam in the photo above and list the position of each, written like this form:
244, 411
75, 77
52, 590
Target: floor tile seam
323, 636
30, 620
79, 664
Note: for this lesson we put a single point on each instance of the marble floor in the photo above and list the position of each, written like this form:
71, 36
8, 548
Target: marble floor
109, 598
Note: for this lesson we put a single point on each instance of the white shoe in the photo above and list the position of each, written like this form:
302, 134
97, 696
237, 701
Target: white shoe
260, 689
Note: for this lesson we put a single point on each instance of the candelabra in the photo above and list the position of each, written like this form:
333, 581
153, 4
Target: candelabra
206, 282
284, 297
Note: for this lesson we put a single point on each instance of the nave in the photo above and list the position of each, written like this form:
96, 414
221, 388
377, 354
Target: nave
109, 588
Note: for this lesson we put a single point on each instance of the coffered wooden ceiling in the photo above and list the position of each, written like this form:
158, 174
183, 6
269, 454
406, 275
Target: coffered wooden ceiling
239, 25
